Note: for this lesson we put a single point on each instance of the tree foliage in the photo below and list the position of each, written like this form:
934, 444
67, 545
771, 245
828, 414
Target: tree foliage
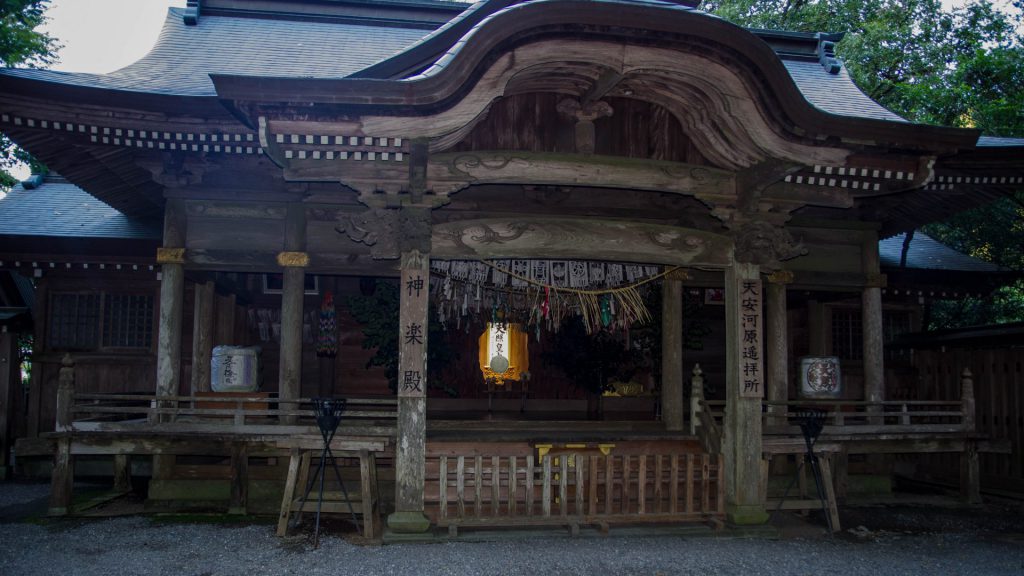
22, 45
958, 67
378, 314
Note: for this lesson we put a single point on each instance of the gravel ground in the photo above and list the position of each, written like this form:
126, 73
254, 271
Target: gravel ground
955, 544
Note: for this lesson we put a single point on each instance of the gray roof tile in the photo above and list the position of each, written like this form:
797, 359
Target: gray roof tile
926, 253
835, 93
996, 142
59, 208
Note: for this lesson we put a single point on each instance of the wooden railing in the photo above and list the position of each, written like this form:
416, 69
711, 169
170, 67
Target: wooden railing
842, 416
510, 484
90, 412
860, 417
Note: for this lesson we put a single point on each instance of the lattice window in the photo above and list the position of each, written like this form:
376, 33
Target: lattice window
895, 323
91, 321
127, 321
847, 334
74, 321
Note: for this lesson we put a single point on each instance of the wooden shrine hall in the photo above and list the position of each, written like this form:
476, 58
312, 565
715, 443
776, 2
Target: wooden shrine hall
506, 164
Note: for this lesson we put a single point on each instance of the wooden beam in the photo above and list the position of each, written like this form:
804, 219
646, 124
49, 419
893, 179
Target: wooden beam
578, 238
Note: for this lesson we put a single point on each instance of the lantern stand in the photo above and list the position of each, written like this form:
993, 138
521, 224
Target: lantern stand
328, 416
811, 421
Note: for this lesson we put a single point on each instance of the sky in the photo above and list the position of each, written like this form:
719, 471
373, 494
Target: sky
101, 36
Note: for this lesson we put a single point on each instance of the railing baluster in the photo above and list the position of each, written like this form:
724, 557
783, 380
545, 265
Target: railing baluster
673, 484
689, 484
478, 473
513, 490
460, 486
641, 485
593, 486
531, 483
563, 485
545, 493
609, 482
443, 477
705, 484
658, 480
579, 476
496, 485
625, 484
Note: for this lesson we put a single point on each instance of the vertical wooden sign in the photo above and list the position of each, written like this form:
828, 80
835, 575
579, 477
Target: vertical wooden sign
751, 367
412, 355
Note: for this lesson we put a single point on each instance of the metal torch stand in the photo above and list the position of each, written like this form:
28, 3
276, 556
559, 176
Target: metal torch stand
328, 416
811, 422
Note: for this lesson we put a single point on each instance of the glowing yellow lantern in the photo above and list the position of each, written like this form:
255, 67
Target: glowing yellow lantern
504, 353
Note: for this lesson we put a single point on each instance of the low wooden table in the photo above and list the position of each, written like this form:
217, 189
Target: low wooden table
301, 450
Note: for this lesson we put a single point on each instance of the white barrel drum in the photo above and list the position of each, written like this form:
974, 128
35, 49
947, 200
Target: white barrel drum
235, 369
820, 377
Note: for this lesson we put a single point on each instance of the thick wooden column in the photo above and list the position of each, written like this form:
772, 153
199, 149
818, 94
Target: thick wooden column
171, 258
202, 337
62, 478
672, 353
777, 343
10, 376
410, 449
874, 363
294, 260
744, 377
970, 470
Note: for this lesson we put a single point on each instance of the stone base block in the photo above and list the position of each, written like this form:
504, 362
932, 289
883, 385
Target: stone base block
408, 522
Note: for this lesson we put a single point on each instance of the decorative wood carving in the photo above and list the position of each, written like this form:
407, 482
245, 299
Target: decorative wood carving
387, 231
458, 170
583, 239
227, 210
584, 115
179, 171
762, 243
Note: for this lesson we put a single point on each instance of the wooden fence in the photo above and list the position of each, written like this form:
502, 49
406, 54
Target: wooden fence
509, 484
999, 403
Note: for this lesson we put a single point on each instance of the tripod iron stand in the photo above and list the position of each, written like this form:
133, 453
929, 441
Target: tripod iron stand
328, 416
812, 421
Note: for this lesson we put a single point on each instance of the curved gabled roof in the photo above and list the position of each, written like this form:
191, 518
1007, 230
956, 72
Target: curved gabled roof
184, 57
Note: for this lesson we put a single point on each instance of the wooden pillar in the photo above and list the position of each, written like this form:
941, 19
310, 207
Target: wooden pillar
294, 260
122, 473
240, 478
63, 476
744, 376
410, 448
39, 331
970, 470
874, 368
777, 344
202, 338
10, 379
672, 353
171, 258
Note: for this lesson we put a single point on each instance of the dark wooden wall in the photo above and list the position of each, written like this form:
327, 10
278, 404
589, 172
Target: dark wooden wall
999, 398
531, 122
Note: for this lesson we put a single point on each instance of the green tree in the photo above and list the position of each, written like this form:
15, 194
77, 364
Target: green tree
22, 45
959, 67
